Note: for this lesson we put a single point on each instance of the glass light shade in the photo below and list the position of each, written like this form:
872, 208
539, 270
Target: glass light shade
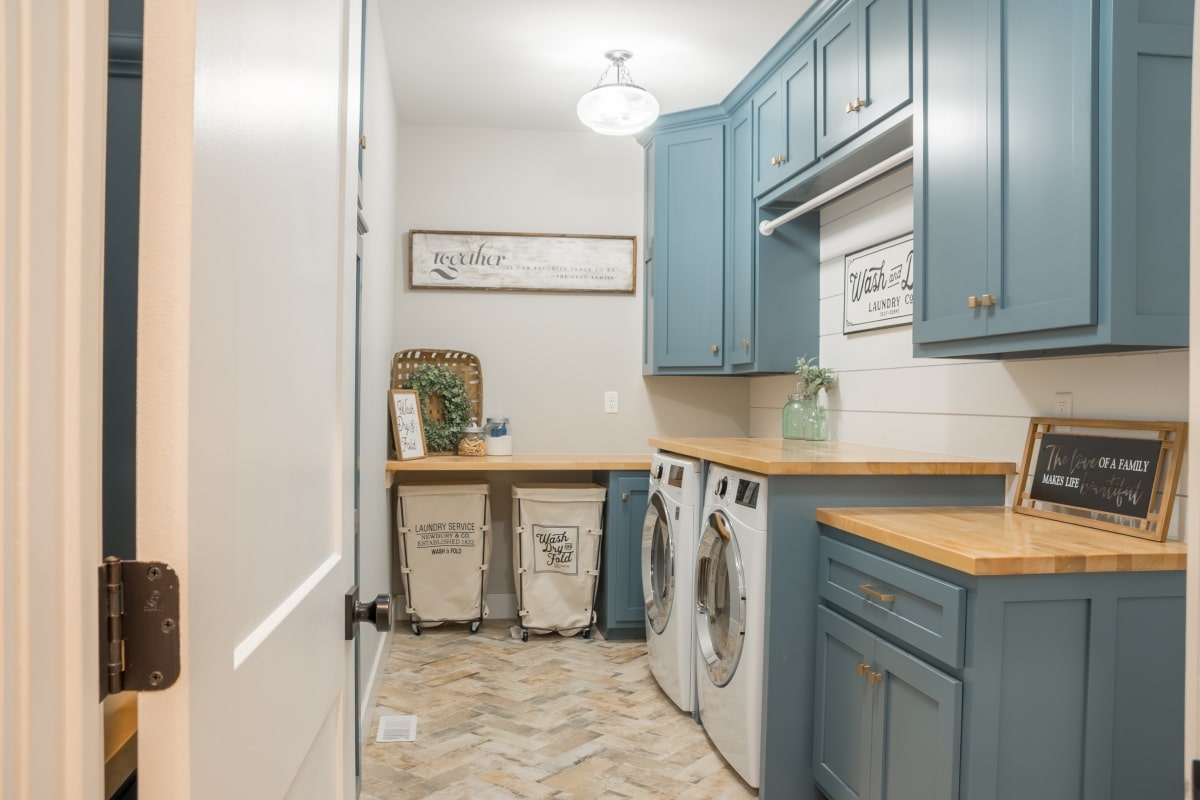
617, 109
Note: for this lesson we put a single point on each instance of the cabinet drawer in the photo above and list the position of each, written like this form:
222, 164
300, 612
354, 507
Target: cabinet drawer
920, 611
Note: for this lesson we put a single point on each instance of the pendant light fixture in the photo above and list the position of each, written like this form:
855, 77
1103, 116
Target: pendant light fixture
620, 108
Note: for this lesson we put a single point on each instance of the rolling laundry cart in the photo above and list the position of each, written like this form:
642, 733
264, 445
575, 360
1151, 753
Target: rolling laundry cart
556, 555
445, 547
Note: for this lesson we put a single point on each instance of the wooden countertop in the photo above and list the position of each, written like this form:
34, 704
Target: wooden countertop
992, 540
521, 463
792, 457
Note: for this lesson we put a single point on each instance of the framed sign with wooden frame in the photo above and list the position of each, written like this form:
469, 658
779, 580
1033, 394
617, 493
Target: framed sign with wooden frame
532, 262
407, 431
1114, 475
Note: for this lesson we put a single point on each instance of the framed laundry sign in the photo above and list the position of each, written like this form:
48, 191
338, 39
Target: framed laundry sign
879, 286
539, 262
408, 433
1115, 475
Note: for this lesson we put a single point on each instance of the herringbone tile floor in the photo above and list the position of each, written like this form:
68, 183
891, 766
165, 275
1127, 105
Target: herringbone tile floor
556, 718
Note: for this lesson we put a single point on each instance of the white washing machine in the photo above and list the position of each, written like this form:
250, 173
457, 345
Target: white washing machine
669, 535
731, 560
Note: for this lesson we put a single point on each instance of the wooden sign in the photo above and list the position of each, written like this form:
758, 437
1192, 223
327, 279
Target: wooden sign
545, 262
879, 286
407, 431
1118, 476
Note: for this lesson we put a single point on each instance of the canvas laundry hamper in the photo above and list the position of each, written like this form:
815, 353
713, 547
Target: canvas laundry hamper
445, 545
556, 555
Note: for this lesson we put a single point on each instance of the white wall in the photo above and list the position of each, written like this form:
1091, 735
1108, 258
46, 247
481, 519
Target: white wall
379, 278
957, 406
547, 358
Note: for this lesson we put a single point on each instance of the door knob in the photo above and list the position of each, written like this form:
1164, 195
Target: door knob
378, 612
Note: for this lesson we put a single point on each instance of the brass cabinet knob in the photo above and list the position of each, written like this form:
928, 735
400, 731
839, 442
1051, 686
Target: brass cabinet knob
862, 668
874, 678
987, 301
715, 348
746, 343
850, 108
972, 302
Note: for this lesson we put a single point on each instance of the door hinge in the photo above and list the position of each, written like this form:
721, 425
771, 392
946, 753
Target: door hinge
139, 626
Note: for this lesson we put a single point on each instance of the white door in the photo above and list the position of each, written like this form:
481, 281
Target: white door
245, 419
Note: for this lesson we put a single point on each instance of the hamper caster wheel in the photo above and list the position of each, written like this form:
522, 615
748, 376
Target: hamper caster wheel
587, 632
416, 626
475, 625
524, 635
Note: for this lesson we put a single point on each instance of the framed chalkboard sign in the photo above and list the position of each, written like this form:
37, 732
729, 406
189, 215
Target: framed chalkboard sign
1115, 475
407, 431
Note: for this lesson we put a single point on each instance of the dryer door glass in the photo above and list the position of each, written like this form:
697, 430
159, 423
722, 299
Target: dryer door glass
658, 564
720, 599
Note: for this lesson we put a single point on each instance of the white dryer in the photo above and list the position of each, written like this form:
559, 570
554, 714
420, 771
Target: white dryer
669, 535
731, 560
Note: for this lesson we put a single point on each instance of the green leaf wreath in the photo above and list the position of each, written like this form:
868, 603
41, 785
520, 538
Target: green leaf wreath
434, 382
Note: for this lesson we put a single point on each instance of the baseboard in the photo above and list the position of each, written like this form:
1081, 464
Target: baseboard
369, 695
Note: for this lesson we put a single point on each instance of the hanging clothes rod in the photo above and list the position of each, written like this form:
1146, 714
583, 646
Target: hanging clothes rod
767, 227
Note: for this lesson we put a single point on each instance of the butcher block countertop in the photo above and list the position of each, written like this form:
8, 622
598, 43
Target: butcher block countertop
992, 540
792, 457
521, 463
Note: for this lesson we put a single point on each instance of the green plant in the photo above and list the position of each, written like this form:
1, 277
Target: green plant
434, 384
813, 377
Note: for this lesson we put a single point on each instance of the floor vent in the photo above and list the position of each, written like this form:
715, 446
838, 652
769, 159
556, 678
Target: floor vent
397, 728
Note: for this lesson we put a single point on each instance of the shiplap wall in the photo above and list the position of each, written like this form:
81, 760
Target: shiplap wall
887, 397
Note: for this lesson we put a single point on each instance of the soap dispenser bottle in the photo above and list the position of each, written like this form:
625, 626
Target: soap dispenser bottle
794, 416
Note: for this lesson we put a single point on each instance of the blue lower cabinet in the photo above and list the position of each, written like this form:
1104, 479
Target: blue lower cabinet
620, 606
886, 724
1069, 685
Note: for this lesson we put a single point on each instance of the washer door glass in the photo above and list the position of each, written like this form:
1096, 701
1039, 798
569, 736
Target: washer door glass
720, 599
658, 564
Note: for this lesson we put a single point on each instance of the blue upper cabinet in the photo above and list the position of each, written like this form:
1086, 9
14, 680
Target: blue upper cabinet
1050, 216
685, 309
864, 68
785, 115
739, 286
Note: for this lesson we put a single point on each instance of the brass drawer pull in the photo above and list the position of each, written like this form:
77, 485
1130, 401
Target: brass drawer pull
870, 591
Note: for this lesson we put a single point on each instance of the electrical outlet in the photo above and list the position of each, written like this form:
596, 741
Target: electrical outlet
1063, 405
610, 402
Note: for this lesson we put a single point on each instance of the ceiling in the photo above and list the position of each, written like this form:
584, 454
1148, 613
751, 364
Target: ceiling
525, 63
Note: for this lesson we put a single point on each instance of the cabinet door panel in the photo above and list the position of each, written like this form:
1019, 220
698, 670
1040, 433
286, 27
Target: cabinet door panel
842, 713
1042, 267
688, 275
917, 726
950, 165
740, 346
837, 78
800, 93
885, 77
768, 133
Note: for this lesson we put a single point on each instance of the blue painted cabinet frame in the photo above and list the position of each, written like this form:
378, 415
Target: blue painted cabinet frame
620, 604
1050, 215
1071, 686
864, 68
886, 724
685, 302
785, 120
